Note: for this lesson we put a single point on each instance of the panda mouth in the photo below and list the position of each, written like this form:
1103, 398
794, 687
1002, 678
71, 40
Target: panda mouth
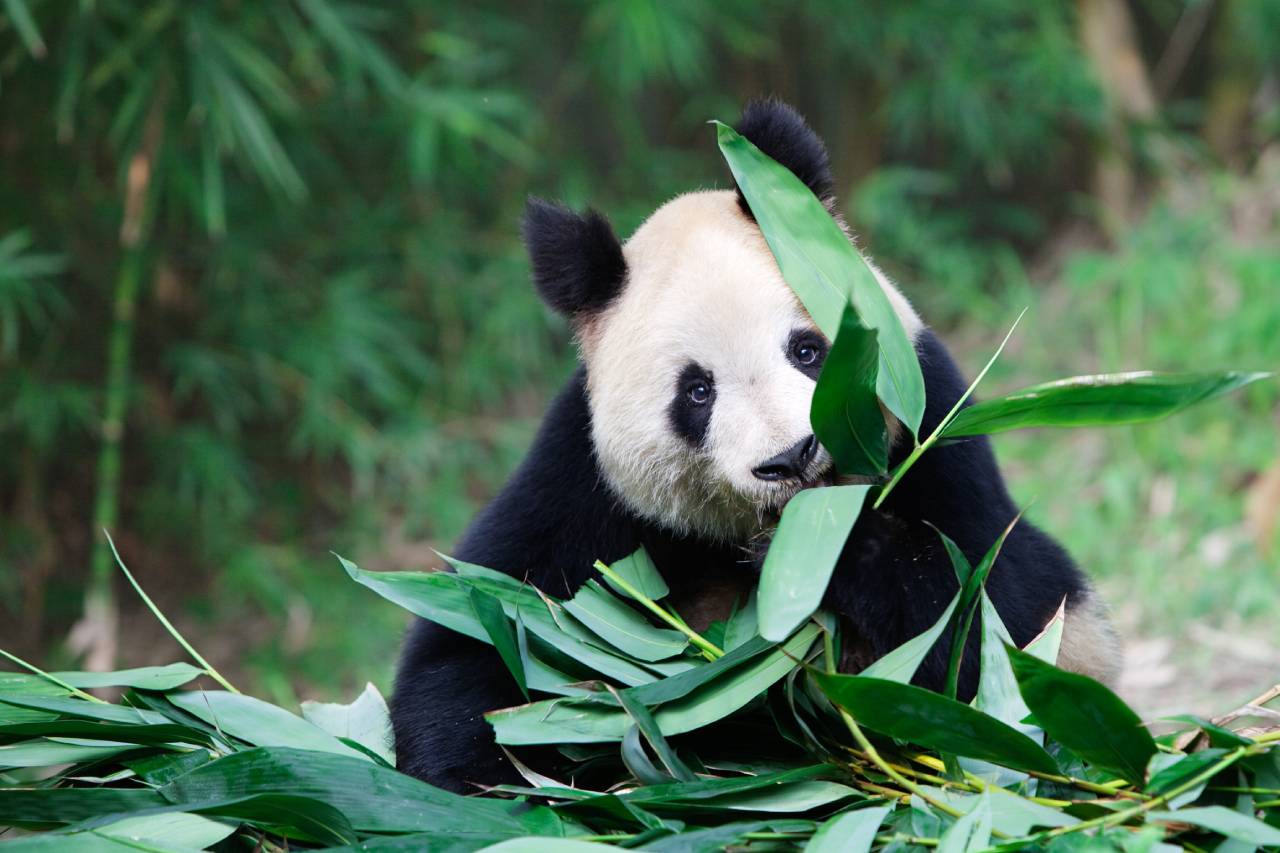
783, 491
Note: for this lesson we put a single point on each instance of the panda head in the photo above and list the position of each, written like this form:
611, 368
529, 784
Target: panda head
701, 361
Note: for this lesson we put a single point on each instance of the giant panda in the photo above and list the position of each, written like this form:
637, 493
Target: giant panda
685, 430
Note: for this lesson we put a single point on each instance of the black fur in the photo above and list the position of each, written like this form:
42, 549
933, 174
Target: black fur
690, 420
555, 517
577, 260
781, 132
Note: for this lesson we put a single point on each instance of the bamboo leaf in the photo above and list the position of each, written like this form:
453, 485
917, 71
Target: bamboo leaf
638, 570
595, 721
258, 722
1084, 716
972, 831
824, 268
143, 678
622, 627
1101, 400
366, 721
502, 635
850, 832
845, 412
931, 720
1220, 819
900, 665
803, 554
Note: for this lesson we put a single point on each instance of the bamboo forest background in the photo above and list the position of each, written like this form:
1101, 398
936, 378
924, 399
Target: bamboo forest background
262, 294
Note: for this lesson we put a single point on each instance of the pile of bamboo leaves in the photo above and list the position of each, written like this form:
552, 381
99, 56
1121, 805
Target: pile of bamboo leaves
743, 736
676, 742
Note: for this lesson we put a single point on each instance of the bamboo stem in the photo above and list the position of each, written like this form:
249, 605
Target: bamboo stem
709, 649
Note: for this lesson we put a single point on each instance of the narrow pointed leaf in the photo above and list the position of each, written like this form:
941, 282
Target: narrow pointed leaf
258, 722
900, 665
366, 721
1220, 819
1101, 400
803, 554
622, 627
845, 413
1084, 716
932, 720
851, 832
502, 635
638, 570
824, 268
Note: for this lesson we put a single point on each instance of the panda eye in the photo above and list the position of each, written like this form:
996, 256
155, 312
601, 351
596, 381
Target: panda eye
806, 352
699, 392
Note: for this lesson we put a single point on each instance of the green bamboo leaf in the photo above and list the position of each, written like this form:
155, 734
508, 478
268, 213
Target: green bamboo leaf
152, 734
970, 591
622, 627
1220, 819
143, 678
81, 709
1084, 716
502, 635
1180, 769
648, 726
793, 798
596, 721
849, 832
156, 833
929, 719
45, 808
824, 268
48, 752
258, 722
803, 554
972, 831
638, 570
366, 721
900, 665
713, 789
845, 412
1101, 400
1011, 814
371, 797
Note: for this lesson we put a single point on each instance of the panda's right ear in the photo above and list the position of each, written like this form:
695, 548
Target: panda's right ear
577, 260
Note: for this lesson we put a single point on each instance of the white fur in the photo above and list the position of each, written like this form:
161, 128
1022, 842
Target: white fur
702, 286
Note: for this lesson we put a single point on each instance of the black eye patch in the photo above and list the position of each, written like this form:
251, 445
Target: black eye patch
806, 350
690, 409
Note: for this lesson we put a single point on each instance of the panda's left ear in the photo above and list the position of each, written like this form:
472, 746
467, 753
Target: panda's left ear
779, 131
578, 267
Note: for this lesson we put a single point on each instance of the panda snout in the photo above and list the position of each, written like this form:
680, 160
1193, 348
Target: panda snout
790, 464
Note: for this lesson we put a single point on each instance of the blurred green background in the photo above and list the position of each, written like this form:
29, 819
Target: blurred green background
262, 294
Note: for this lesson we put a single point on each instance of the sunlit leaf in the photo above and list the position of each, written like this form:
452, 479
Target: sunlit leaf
824, 269
1102, 400
803, 554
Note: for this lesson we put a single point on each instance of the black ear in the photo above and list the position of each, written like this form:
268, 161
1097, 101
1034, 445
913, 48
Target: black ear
577, 260
779, 131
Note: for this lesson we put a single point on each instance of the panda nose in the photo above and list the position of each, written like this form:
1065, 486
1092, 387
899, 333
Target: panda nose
790, 463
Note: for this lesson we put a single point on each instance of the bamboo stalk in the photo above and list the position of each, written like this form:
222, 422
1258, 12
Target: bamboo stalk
95, 633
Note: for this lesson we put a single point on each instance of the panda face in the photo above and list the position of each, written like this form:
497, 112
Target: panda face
700, 373
701, 362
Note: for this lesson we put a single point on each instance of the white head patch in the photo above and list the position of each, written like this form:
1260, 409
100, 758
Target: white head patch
704, 304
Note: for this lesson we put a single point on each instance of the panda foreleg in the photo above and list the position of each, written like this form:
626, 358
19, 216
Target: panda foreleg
447, 682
